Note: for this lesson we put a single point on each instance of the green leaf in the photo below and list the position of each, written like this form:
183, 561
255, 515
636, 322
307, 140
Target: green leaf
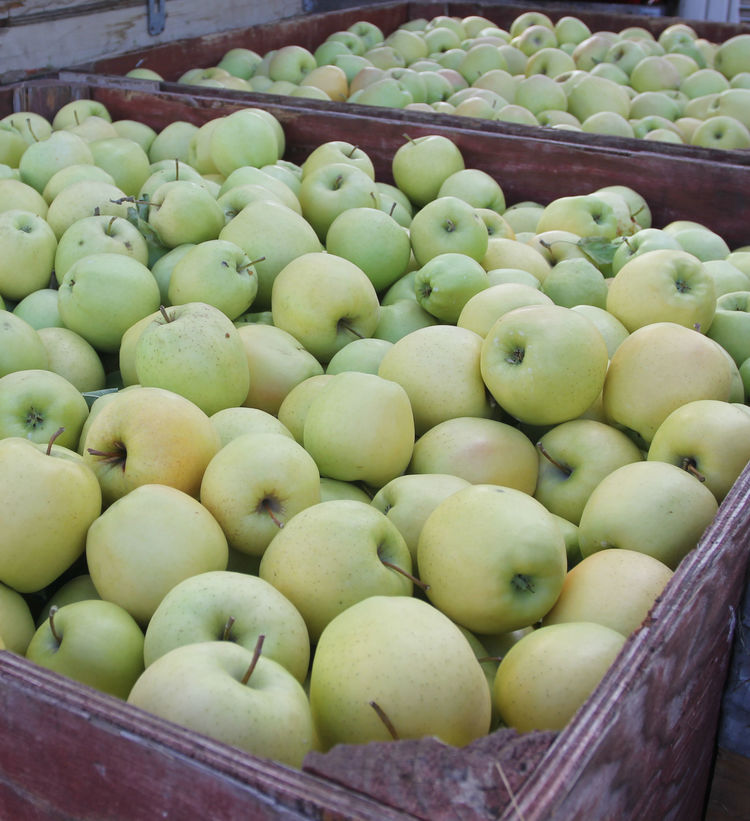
599, 250
92, 396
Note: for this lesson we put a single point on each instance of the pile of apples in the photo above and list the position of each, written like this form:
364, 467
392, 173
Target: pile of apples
676, 88
296, 457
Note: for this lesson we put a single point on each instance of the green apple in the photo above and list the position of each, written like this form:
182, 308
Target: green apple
73, 358
34, 404
409, 44
29, 246
243, 137
331, 189
574, 282
481, 451
493, 557
292, 63
168, 171
172, 141
731, 58
625, 54
334, 554
77, 111
273, 235
476, 187
102, 295
324, 301
359, 427
704, 81
374, 241
233, 422
609, 326
647, 103
504, 252
548, 674
400, 318
21, 347
592, 94
241, 62
331, 80
43, 158
372, 680
721, 131
544, 364
124, 159
16, 622
439, 368
195, 350
613, 587
83, 199
223, 605
233, 695
149, 540
731, 328
137, 131
217, 272
182, 211
421, 165
255, 484
551, 61
409, 499
673, 511
98, 234
363, 355
19, 196
54, 498
662, 286
646, 239
654, 73
482, 310
708, 438
144, 435
95, 642
583, 214
448, 225
446, 282
698, 240
12, 145
573, 458
726, 276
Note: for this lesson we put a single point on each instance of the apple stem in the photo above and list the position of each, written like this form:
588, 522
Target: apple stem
254, 661
119, 454
407, 138
392, 208
522, 582
163, 312
176, 169
384, 718
346, 327
31, 130
227, 629
351, 153
108, 230
559, 465
419, 583
75, 117
52, 611
52, 438
135, 201
255, 261
450, 226
689, 465
483, 659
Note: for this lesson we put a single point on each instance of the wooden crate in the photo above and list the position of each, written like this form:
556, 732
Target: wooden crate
640, 748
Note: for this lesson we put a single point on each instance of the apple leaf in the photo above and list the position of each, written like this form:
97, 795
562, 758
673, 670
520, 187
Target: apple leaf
92, 396
135, 217
599, 250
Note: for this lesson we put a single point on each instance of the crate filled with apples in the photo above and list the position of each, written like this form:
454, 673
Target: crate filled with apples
323, 461
581, 76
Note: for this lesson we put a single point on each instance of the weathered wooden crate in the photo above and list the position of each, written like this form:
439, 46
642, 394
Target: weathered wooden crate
642, 746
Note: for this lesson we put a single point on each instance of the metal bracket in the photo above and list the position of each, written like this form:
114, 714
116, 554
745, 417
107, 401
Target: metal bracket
157, 14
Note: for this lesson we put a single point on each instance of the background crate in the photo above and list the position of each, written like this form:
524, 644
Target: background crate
641, 747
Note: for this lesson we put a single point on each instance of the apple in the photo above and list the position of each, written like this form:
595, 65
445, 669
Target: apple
483, 309
727, 278
324, 301
504, 252
698, 240
446, 282
609, 326
144, 435
248, 178
409, 499
372, 240
730, 326
172, 141
359, 427
476, 187
98, 234
73, 358
544, 364
146, 542
231, 694
573, 458
54, 498
363, 355
273, 235
334, 554
731, 56
493, 557
224, 605
255, 484
576, 281
74, 173
421, 165
16, 620
21, 346
75, 589
124, 159
481, 451
372, 680
662, 286
708, 438
399, 318
43, 158
95, 642
448, 225
646, 239
296, 403
549, 673
673, 511
439, 368
648, 103
19, 196
583, 214
721, 131
656, 369
233, 422
654, 73
182, 211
